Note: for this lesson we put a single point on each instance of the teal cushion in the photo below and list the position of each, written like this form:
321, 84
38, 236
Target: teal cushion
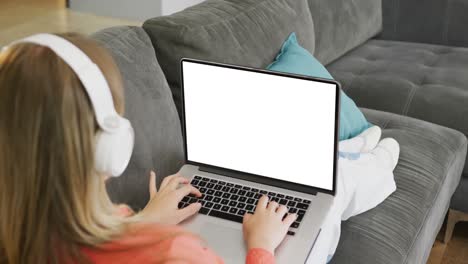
295, 59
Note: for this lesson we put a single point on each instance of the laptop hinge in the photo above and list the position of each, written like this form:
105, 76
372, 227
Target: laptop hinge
221, 172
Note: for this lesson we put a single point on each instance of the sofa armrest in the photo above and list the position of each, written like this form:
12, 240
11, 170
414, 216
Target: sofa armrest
432, 21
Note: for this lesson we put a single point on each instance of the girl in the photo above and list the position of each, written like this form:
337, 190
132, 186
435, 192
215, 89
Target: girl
53, 203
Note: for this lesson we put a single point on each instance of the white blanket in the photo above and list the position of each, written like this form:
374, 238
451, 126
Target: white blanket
364, 181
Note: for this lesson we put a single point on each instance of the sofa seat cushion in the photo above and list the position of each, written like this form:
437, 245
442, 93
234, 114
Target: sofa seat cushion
151, 110
428, 82
403, 228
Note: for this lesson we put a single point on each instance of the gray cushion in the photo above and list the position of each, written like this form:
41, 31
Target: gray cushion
343, 25
429, 21
425, 81
150, 108
403, 228
247, 32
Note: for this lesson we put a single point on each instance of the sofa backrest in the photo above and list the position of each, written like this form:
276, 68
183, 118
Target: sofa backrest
341, 25
440, 22
151, 110
247, 32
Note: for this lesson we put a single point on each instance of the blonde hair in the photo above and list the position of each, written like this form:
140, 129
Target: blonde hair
52, 202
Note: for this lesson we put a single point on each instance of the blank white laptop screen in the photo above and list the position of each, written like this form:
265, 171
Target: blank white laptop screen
269, 125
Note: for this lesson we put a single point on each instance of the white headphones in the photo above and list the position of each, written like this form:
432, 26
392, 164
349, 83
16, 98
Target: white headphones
115, 140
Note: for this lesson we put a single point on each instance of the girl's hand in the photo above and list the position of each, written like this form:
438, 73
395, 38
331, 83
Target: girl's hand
163, 205
266, 228
124, 210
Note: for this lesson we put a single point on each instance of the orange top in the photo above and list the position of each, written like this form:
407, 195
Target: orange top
154, 243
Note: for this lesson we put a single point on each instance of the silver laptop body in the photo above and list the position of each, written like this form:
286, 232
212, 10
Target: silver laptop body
231, 184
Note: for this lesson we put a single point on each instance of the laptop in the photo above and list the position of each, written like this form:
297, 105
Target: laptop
250, 132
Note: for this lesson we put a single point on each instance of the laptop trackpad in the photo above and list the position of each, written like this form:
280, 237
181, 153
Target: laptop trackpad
227, 242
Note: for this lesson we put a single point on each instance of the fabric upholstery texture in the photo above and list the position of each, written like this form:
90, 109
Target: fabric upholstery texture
343, 25
419, 80
150, 109
432, 21
248, 32
403, 228
424, 81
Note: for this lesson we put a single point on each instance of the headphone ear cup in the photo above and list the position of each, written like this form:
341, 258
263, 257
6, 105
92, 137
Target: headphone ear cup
114, 150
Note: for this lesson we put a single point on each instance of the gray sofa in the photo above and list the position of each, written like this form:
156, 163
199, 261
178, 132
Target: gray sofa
405, 80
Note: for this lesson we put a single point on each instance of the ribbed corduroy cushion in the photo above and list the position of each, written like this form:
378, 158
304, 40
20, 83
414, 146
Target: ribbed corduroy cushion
402, 229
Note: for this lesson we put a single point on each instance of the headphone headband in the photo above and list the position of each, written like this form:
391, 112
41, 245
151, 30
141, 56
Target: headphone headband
115, 140
88, 73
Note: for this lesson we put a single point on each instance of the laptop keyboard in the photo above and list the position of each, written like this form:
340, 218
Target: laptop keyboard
231, 201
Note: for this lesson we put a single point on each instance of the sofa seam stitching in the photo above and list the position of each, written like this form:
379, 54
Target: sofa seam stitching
235, 16
416, 87
410, 100
386, 123
198, 27
126, 32
350, 86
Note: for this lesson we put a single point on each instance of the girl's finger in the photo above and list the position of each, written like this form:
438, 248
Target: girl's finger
186, 190
289, 220
272, 206
166, 181
188, 211
174, 183
281, 211
152, 184
262, 203
246, 218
